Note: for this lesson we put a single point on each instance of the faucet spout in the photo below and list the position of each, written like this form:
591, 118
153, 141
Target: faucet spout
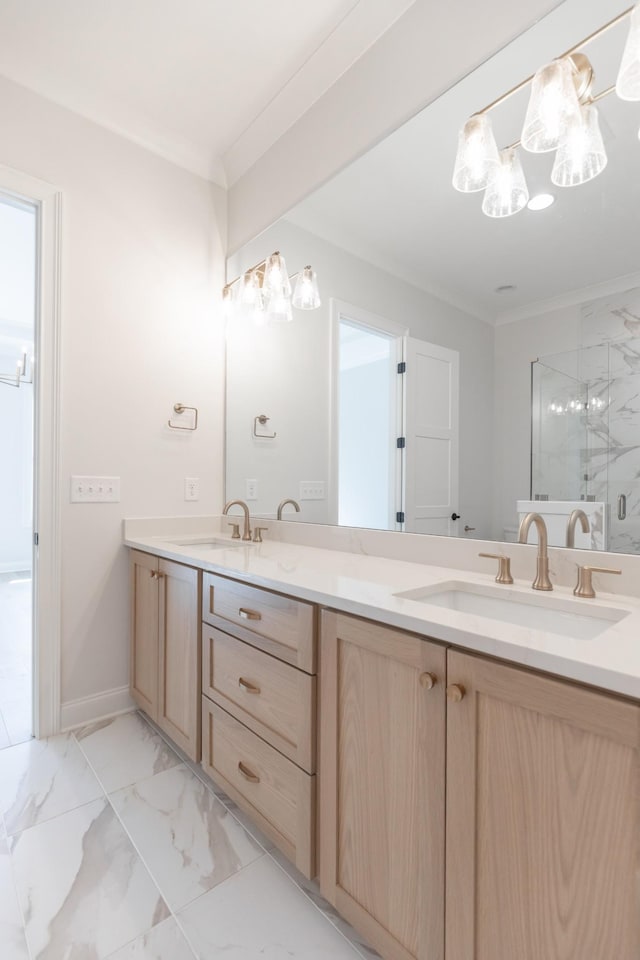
571, 525
541, 581
240, 503
284, 503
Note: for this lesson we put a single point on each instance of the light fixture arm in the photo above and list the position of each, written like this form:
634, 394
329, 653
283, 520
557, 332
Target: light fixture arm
568, 53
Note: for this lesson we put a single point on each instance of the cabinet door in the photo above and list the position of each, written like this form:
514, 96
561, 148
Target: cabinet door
382, 767
180, 656
143, 672
542, 818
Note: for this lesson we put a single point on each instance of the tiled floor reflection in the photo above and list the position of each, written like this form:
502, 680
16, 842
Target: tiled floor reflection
112, 847
15, 658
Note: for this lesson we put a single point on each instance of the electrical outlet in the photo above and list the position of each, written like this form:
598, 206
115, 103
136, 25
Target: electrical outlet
251, 490
312, 490
95, 489
192, 488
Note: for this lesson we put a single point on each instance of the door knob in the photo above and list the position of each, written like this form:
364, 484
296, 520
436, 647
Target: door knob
455, 516
455, 692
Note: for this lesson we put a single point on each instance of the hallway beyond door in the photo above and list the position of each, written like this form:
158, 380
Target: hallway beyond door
16, 697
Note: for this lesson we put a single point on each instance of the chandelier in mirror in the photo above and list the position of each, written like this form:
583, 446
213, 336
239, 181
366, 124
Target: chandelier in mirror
561, 116
265, 295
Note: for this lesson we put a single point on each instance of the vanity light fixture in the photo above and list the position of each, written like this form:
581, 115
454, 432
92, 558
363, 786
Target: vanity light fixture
561, 116
264, 292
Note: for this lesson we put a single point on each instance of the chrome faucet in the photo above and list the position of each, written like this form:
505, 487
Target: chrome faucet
541, 581
571, 525
284, 503
240, 503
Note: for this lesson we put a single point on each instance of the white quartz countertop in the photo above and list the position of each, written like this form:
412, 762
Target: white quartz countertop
365, 586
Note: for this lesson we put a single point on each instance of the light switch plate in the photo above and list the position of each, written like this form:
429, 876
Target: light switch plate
312, 490
95, 489
192, 488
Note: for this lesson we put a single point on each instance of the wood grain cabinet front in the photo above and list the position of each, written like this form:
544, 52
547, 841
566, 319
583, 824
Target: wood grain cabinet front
280, 625
539, 791
279, 796
165, 676
272, 698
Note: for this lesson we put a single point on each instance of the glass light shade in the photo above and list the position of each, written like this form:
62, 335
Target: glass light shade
628, 82
477, 155
581, 154
507, 192
228, 302
276, 278
250, 290
553, 103
306, 295
279, 309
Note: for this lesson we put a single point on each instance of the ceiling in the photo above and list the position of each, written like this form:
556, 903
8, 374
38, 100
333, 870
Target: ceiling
396, 207
208, 84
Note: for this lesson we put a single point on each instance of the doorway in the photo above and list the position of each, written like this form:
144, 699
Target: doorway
18, 305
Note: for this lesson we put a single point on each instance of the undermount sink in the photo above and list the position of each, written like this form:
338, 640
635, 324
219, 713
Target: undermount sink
207, 543
559, 615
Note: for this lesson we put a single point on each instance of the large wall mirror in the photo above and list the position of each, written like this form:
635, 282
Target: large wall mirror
519, 336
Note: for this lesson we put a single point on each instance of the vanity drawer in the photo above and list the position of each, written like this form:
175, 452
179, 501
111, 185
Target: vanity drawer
280, 625
274, 791
270, 697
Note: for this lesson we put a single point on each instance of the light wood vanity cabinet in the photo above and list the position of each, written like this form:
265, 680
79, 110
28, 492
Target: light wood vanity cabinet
540, 793
259, 709
165, 646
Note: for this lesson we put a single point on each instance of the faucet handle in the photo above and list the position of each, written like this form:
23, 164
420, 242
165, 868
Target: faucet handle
504, 566
584, 586
235, 534
257, 534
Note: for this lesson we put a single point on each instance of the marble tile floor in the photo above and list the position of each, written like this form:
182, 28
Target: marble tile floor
15, 658
114, 847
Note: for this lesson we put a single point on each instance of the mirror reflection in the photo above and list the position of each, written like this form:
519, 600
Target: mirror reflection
462, 369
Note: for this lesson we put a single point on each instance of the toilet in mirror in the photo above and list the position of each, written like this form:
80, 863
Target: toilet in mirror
471, 352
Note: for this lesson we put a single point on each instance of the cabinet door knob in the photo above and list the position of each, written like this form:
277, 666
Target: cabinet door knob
428, 680
248, 686
247, 773
455, 692
249, 614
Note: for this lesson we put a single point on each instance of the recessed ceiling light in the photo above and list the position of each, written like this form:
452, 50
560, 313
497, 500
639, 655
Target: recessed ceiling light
505, 288
541, 201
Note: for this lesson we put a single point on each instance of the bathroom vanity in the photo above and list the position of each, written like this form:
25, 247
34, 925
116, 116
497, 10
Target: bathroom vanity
452, 778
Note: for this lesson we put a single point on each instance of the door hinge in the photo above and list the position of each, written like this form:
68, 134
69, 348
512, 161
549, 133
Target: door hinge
401, 443
35, 539
400, 516
402, 367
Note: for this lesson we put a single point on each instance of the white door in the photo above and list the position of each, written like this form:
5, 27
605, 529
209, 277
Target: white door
431, 438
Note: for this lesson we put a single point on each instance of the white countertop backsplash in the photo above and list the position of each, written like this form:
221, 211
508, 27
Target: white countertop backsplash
358, 571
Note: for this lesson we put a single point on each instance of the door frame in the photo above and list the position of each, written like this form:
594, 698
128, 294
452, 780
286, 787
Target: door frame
46, 594
340, 310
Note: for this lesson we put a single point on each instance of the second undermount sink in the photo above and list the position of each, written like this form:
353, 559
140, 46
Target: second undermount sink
207, 543
559, 615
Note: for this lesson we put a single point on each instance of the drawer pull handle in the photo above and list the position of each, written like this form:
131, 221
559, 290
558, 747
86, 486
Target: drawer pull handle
249, 614
247, 774
248, 686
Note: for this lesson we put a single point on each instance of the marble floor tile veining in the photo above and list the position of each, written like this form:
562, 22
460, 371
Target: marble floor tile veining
187, 838
118, 849
83, 889
125, 750
260, 912
41, 779
165, 941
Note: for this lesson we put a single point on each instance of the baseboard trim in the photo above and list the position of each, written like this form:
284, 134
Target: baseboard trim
100, 706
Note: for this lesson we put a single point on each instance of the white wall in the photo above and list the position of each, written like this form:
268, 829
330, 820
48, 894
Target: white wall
142, 248
347, 278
